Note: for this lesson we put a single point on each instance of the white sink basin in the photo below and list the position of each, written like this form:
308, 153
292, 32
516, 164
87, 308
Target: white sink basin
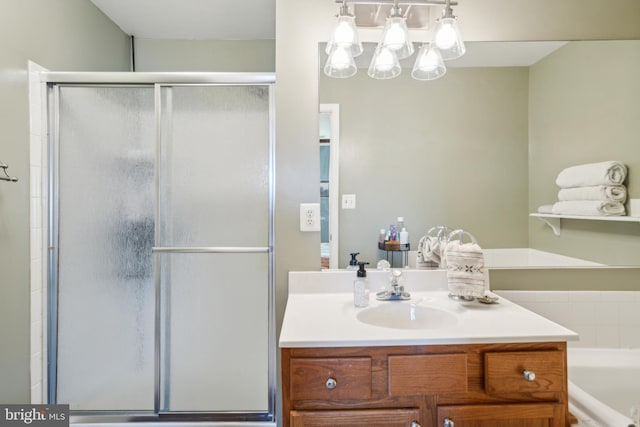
402, 315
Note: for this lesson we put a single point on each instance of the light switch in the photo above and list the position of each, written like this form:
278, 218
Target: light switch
348, 201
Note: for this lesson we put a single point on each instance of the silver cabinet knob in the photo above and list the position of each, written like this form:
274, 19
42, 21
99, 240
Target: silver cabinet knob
448, 423
529, 375
331, 383
415, 424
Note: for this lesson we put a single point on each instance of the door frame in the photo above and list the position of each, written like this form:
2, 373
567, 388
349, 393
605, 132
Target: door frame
52, 80
334, 182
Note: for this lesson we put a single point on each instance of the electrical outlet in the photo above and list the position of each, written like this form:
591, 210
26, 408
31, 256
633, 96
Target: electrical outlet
309, 216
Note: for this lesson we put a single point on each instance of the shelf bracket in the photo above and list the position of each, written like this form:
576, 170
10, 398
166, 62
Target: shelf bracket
554, 223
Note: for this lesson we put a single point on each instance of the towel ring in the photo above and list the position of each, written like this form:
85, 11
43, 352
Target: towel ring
442, 230
6, 176
459, 234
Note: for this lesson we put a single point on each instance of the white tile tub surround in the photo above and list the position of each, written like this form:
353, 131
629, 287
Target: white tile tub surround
38, 230
602, 318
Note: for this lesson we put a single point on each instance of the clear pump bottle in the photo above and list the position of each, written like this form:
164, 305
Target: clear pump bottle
353, 262
361, 287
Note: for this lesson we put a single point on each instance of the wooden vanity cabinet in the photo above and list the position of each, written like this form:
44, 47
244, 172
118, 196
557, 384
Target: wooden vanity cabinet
479, 385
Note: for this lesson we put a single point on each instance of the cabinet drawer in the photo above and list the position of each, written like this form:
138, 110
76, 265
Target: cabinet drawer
330, 378
524, 371
516, 415
427, 374
359, 418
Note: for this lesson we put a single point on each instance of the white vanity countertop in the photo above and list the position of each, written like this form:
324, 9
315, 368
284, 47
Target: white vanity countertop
320, 313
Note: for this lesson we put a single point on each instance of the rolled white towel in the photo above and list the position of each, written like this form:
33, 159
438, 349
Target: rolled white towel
465, 269
608, 193
588, 208
545, 209
590, 174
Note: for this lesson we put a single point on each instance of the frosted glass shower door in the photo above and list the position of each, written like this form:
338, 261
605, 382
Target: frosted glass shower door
213, 248
105, 286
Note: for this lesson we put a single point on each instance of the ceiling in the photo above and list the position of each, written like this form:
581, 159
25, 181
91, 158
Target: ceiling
193, 19
255, 20
505, 54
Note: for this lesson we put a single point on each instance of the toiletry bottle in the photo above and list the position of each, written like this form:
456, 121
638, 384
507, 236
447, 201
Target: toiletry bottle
361, 287
403, 234
353, 263
393, 232
404, 238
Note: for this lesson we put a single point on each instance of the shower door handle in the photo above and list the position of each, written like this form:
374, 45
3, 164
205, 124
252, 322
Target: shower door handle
212, 250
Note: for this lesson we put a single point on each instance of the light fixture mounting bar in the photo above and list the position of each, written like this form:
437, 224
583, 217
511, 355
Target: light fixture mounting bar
403, 2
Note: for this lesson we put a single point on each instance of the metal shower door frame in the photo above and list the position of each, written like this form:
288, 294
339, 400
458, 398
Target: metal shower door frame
157, 81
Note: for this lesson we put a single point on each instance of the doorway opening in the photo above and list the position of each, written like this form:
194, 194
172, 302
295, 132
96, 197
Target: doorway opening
329, 139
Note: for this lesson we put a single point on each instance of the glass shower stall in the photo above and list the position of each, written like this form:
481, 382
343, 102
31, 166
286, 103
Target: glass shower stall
161, 295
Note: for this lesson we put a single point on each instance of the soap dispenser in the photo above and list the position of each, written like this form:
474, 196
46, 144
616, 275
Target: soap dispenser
361, 287
353, 264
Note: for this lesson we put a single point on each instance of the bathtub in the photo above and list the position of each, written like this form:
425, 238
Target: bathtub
604, 384
530, 258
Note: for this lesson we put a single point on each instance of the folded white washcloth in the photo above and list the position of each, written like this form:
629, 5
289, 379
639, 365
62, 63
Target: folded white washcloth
432, 249
545, 209
588, 208
608, 193
590, 174
465, 269
423, 262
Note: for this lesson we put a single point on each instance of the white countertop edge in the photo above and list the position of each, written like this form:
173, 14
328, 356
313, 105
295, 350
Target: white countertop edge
427, 342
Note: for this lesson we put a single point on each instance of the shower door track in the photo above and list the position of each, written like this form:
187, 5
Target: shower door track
211, 250
157, 80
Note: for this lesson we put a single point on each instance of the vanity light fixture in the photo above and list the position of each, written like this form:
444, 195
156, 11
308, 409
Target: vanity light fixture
395, 43
340, 63
447, 36
343, 46
345, 33
429, 63
384, 64
395, 35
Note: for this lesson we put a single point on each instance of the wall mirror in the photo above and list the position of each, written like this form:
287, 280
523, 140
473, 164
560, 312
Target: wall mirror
480, 148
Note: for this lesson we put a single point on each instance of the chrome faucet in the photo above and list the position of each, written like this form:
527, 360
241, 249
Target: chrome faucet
396, 291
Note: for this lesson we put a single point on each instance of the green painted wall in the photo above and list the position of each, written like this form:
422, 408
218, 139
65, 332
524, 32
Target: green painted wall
58, 35
205, 55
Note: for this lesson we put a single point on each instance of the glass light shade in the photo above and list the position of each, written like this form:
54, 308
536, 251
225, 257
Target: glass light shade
448, 39
429, 64
345, 34
340, 63
395, 36
384, 64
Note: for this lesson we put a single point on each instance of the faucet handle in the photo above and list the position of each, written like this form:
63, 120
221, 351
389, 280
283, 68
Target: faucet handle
396, 276
396, 282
